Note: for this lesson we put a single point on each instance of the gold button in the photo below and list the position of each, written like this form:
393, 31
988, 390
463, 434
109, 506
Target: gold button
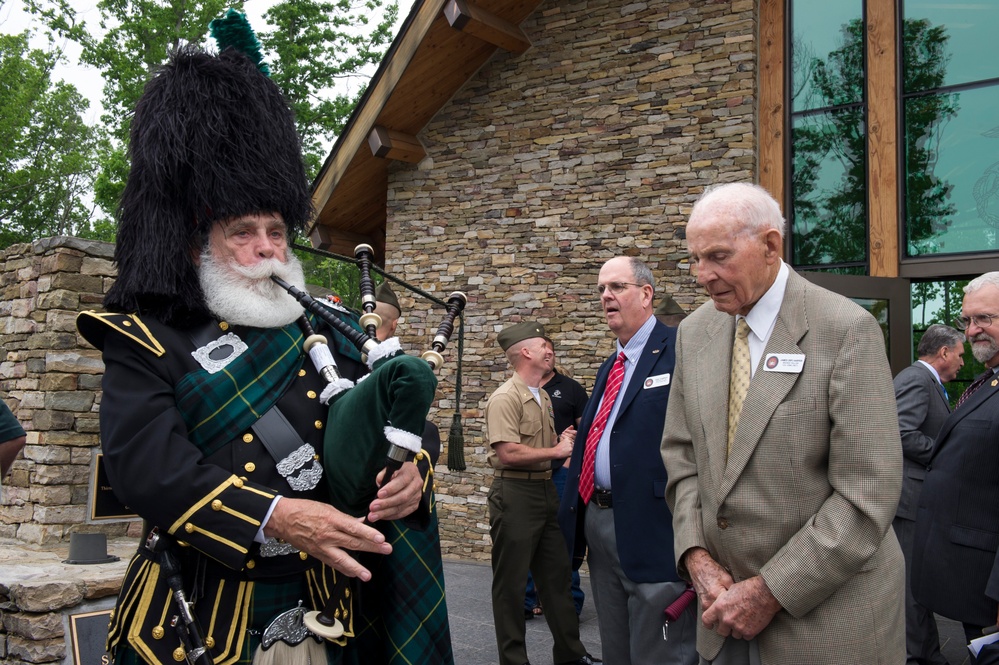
346, 593
419, 456
189, 527
336, 615
301, 372
311, 394
435, 487
250, 467
126, 323
319, 424
216, 505
303, 556
223, 325
210, 642
158, 633
238, 483
179, 655
251, 564
247, 438
316, 457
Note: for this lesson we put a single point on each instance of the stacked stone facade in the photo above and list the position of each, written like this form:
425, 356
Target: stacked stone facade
592, 144
51, 379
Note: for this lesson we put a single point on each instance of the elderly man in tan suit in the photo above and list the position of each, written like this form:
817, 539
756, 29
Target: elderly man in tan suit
782, 508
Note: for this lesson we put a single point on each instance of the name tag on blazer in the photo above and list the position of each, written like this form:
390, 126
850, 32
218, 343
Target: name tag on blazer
656, 381
791, 363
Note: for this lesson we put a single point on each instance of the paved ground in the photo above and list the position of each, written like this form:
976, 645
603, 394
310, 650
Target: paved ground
470, 612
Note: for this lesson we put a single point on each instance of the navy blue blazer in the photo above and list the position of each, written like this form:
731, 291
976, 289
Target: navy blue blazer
643, 524
955, 566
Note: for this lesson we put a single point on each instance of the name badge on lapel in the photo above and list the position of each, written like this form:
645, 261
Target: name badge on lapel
656, 381
790, 363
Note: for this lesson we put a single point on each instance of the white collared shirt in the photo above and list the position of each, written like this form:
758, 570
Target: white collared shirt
763, 316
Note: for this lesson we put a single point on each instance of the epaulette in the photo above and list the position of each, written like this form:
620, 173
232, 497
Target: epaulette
94, 328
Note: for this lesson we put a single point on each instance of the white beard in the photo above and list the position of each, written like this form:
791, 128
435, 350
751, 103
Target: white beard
246, 296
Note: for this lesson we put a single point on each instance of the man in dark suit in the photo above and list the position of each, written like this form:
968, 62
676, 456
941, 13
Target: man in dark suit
922, 410
955, 570
613, 499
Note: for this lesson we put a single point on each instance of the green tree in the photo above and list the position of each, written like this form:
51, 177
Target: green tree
316, 45
46, 158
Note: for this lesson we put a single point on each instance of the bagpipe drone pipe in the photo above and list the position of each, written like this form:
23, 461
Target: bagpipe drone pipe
374, 424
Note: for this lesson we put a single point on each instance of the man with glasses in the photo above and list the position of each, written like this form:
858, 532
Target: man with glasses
955, 570
613, 500
922, 409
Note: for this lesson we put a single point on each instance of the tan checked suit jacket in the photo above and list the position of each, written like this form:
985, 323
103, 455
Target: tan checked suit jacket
808, 494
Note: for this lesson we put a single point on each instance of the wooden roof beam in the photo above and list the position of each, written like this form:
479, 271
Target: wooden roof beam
343, 242
475, 21
390, 144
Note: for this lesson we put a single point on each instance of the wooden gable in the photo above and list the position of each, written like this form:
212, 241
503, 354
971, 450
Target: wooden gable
439, 47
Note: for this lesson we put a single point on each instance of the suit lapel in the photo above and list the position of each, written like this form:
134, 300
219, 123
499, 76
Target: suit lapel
650, 355
982, 395
767, 390
712, 386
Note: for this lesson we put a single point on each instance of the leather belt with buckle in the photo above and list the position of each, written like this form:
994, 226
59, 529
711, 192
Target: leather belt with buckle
602, 498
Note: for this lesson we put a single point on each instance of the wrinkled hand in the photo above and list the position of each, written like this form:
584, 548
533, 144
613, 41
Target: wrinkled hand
742, 611
709, 578
399, 497
326, 533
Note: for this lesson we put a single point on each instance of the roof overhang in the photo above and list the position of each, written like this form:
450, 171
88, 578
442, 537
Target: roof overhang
440, 46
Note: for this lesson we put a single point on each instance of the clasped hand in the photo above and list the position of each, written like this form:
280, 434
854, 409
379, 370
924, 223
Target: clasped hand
328, 534
732, 609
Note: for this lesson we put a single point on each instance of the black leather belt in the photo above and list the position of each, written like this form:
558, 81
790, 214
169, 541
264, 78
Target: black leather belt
602, 498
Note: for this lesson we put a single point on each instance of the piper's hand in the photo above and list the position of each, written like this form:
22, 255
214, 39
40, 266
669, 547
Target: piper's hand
399, 497
326, 533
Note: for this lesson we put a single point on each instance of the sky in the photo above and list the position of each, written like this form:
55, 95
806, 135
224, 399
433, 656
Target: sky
14, 19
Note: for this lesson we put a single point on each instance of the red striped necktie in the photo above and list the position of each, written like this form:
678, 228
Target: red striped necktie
613, 387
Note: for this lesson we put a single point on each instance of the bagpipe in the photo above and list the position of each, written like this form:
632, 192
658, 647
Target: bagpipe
379, 421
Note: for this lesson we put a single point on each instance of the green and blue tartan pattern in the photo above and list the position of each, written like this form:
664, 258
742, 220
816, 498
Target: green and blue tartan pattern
403, 610
217, 407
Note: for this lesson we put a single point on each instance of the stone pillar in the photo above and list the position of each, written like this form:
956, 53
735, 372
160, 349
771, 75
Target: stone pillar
51, 380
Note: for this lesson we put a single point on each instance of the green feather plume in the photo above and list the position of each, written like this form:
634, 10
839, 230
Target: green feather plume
233, 30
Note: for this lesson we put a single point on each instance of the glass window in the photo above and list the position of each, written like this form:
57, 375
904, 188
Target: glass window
828, 208
968, 30
822, 74
952, 172
829, 189
950, 128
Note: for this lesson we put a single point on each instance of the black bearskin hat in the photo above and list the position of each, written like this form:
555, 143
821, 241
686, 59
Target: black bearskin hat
212, 138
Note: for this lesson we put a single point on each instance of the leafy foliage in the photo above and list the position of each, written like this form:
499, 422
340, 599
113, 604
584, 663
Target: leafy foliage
316, 44
46, 158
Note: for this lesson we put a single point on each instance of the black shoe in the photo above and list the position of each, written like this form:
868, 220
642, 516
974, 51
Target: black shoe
528, 615
585, 660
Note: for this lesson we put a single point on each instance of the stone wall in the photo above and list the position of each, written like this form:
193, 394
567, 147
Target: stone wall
51, 380
593, 143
